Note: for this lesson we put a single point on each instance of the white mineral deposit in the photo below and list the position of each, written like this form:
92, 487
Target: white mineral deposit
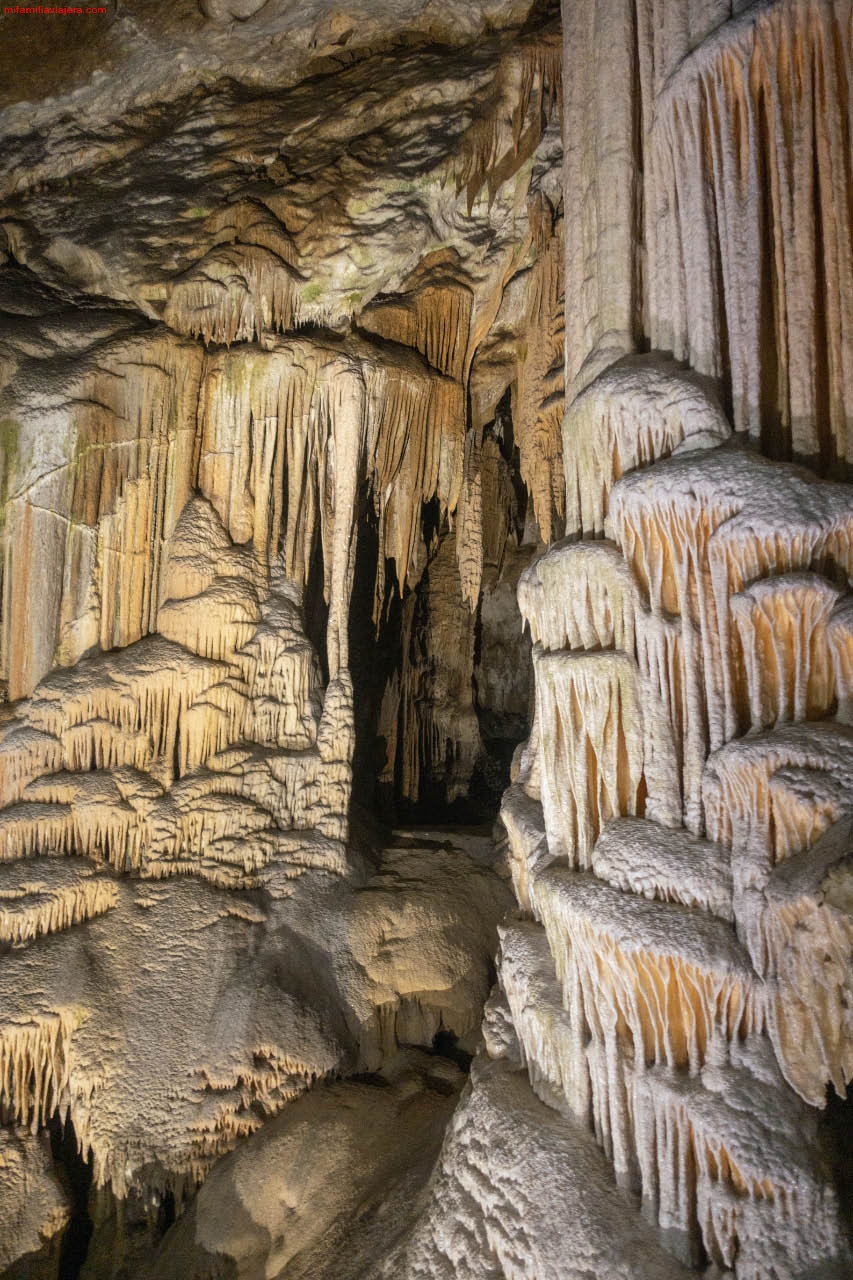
426, 640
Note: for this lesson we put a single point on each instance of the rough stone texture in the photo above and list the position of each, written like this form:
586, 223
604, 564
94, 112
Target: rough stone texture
355, 426
36, 1207
520, 1190
705, 204
319, 1189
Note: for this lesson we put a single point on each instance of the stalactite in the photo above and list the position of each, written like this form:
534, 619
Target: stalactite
695, 534
235, 294
725, 1159
760, 821
418, 433
129, 757
582, 595
507, 129
34, 1067
753, 268
231, 1108
434, 318
775, 799
641, 410
591, 760
180, 509
33, 908
469, 538
537, 406
102, 516
486, 515
807, 950
348, 415
647, 949
781, 622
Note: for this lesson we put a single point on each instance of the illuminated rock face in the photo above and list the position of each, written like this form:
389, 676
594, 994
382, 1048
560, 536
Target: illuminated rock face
236, 458
697, 635
679, 823
359, 432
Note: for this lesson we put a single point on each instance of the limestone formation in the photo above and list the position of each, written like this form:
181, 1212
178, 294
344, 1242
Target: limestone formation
36, 1207
426, 640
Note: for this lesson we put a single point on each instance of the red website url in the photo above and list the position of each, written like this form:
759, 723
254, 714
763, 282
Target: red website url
43, 8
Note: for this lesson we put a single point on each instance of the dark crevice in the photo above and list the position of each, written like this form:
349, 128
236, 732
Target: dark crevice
76, 1172
837, 1123
446, 1045
316, 606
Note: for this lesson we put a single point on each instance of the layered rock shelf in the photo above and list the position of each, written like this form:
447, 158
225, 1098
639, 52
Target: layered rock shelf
426, 640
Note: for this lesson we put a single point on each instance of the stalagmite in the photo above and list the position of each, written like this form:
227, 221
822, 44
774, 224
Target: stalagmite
536, 1198
807, 945
528, 850
839, 634
730, 1169
546, 1034
401, 406
670, 866
771, 795
579, 595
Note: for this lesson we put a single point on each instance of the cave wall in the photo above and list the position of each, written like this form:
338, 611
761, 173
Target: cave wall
248, 524
390, 411
679, 820
707, 157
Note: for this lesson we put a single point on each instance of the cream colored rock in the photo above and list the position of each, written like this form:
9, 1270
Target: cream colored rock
197, 752
318, 1191
591, 756
696, 531
312, 336
640, 410
34, 1207
782, 625
207, 1054
670, 866
580, 595
807, 936
32, 907
840, 637
797, 400
520, 1189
